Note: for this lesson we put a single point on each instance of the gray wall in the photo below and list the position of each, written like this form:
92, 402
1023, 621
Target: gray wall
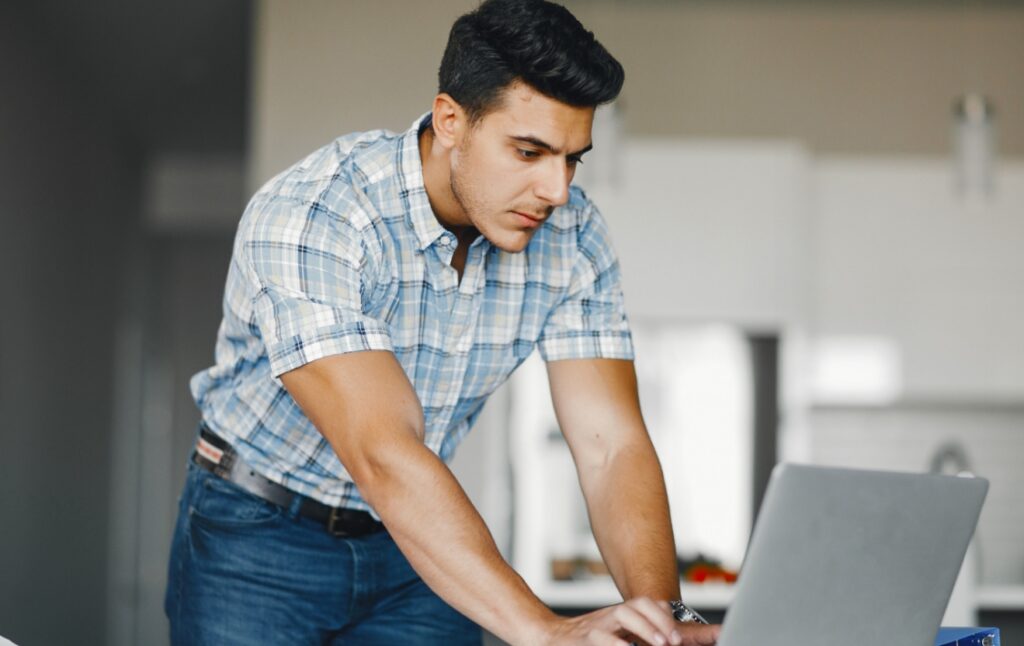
94, 95
64, 209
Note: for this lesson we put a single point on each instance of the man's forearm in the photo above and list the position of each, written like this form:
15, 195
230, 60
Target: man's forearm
629, 514
448, 544
364, 405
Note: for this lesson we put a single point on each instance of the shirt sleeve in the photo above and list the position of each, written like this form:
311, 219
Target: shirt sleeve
590, 323
312, 272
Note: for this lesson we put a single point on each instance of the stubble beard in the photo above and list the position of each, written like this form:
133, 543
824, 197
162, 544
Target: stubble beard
465, 205
476, 210
464, 196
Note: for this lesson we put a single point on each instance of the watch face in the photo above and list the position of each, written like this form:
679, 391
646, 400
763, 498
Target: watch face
684, 614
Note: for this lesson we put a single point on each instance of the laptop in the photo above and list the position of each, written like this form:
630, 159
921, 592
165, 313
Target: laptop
849, 558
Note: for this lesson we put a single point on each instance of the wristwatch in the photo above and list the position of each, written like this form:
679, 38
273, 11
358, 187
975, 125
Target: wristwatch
685, 614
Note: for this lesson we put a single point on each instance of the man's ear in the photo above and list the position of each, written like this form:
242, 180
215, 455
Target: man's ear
449, 121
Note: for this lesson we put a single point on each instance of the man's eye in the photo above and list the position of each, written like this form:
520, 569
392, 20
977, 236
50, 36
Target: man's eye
527, 154
572, 161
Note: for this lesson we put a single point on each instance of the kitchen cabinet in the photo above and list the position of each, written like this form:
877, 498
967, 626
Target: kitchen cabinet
898, 255
711, 230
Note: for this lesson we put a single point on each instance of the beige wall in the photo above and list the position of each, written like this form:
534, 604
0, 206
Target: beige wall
323, 68
843, 79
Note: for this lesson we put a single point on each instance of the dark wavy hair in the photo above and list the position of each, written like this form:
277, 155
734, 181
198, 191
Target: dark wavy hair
534, 41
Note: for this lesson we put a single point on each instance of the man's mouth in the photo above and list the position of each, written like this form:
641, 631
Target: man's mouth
530, 220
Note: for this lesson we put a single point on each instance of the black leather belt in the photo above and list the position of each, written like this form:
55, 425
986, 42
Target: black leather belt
216, 456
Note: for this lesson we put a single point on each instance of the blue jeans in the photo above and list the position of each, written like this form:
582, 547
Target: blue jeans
245, 571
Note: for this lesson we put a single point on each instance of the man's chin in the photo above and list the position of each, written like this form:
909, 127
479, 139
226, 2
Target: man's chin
512, 242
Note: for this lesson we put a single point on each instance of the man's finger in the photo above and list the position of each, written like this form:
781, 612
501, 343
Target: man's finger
699, 634
629, 618
658, 614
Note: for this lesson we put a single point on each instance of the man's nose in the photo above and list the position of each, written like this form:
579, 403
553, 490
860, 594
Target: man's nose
553, 185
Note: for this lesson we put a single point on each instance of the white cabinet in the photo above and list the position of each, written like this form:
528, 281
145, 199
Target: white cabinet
897, 254
710, 230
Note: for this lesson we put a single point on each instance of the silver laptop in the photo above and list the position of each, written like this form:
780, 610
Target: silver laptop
847, 558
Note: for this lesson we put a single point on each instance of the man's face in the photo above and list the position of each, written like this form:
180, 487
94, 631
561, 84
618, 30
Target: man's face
514, 166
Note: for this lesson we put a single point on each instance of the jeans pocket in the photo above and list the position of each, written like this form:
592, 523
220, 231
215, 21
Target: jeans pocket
223, 504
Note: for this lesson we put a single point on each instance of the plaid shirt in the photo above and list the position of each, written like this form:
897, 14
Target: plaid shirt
341, 253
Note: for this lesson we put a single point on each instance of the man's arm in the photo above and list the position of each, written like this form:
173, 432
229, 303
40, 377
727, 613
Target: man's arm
366, 408
598, 409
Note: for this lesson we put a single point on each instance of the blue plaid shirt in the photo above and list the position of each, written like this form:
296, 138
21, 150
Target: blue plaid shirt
341, 253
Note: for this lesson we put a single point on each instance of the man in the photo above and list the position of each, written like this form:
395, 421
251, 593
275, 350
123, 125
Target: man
378, 292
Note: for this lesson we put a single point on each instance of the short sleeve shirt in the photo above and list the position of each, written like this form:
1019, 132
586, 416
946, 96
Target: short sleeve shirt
342, 253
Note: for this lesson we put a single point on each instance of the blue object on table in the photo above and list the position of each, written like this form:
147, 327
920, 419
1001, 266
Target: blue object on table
967, 637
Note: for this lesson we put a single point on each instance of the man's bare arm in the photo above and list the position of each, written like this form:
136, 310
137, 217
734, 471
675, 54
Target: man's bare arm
368, 411
598, 409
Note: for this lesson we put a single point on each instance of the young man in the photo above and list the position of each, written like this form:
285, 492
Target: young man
379, 291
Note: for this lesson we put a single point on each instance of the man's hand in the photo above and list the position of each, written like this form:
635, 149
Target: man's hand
639, 620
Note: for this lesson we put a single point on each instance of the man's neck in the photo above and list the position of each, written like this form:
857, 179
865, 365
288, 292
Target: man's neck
437, 182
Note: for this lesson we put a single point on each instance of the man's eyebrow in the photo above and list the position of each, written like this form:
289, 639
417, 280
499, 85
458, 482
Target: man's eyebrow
540, 143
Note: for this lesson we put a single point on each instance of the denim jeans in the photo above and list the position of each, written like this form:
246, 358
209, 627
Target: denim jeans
245, 571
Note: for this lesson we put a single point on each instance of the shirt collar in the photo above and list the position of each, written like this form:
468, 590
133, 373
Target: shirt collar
419, 214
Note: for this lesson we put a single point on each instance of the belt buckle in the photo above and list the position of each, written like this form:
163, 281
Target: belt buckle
335, 517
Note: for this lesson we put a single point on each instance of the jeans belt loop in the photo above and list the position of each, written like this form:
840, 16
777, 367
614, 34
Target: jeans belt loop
333, 526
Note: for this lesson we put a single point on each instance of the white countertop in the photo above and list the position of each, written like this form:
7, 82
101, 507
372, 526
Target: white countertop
598, 592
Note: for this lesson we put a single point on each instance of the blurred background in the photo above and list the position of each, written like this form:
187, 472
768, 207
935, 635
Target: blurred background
818, 206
